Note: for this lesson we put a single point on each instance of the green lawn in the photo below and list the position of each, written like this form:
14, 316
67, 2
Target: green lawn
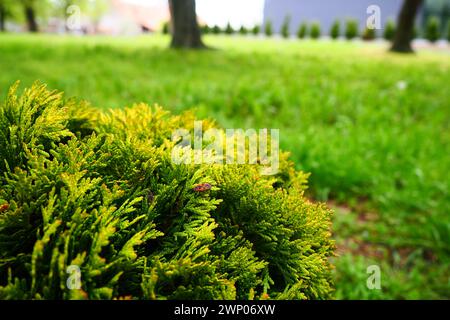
371, 127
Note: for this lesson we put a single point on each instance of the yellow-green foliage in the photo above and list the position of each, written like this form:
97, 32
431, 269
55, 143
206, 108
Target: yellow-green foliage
99, 190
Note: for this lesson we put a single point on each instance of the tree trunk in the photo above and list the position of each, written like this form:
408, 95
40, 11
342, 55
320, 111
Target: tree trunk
30, 15
2, 17
185, 30
405, 26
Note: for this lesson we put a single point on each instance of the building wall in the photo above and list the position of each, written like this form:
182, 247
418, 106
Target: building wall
326, 12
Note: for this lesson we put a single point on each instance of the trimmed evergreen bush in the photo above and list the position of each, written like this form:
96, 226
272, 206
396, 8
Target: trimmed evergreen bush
243, 30
389, 30
229, 29
93, 190
432, 29
166, 28
315, 30
205, 29
335, 31
256, 30
448, 31
351, 29
369, 34
216, 29
268, 29
302, 30
285, 27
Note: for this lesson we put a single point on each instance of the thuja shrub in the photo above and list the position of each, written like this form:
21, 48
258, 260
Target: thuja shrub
335, 30
268, 29
216, 29
302, 30
256, 30
448, 31
285, 32
369, 34
432, 29
229, 29
97, 192
205, 29
351, 29
389, 30
315, 30
166, 28
243, 30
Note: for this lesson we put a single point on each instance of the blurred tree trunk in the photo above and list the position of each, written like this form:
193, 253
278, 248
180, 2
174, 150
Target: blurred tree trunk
2, 16
405, 26
185, 29
30, 16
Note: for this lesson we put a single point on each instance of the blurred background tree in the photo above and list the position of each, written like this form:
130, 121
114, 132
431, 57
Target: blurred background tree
448, 30
315, 30
35, 13
302, 30
166, 28
216, 29
205, 29
10, 10
285, 27
389, 30
30, 8
405, 26
439, 9
268, 30
432, 29
185, 29
229, 29
2, 15
335, 31
369, 34
256, 30
351, 29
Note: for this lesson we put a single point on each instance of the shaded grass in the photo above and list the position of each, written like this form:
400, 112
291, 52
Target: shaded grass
371, 127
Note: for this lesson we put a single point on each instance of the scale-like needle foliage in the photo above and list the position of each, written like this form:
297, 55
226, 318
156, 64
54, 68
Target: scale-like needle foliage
99, 191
